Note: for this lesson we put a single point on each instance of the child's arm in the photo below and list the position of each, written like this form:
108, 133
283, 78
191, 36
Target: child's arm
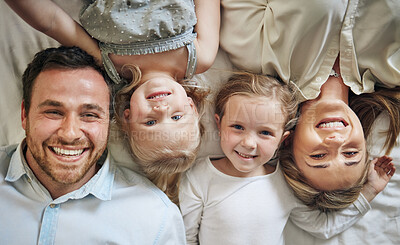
191, 207
48, 18
207, 29
326, 225
380, 172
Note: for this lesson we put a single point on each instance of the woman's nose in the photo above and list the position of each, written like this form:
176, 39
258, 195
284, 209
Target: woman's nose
335, 139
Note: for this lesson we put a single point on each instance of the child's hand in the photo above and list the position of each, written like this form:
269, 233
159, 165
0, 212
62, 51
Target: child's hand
380, 172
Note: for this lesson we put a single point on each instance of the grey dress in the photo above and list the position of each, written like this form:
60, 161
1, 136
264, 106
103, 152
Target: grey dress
135, 27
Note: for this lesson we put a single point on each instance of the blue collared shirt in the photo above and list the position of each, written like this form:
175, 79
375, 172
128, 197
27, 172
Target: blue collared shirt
116, 206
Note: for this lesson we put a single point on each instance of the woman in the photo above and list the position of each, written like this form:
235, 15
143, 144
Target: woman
349, 46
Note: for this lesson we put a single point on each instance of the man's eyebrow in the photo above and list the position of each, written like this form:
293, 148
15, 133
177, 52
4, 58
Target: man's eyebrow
50, 103
84, 106
93, 107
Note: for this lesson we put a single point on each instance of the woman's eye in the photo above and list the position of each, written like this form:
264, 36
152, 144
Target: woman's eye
265, 133
176, 118
350, 153
237, 127
318, 156
150, 123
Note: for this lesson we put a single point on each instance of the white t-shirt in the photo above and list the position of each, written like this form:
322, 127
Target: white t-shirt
222, 209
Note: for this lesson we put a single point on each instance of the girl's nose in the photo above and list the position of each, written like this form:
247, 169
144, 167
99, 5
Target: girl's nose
161, 108
249, 142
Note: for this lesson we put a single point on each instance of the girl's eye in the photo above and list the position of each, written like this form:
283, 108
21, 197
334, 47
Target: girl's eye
176, 118
350, 153
237, 127
265, 133
318, 156
151, 122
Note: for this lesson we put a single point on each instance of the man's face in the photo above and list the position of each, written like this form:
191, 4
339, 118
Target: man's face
67, 125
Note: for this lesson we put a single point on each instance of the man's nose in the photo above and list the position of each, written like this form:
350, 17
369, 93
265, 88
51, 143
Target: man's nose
70, 129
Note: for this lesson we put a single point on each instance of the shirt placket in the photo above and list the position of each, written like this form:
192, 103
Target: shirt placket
348, 59
48, 226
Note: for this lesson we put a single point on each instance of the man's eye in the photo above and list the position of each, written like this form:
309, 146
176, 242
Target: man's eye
90, 115
150, 123
236, 126
176, 118
318, 156
53, 113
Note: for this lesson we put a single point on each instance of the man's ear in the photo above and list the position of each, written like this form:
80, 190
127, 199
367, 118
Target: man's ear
23, 115
218, 121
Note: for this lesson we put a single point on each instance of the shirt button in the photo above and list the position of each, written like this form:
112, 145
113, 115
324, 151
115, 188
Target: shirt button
319, 79
52, 205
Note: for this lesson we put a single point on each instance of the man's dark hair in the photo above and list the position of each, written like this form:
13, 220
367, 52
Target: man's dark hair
68, 58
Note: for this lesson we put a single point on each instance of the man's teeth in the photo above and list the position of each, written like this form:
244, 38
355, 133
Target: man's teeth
331, 125
158, 96
245, 156
64, 152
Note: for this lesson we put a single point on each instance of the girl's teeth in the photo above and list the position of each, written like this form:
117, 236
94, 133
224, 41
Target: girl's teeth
158, 96
332, 125
64, 152
245, 156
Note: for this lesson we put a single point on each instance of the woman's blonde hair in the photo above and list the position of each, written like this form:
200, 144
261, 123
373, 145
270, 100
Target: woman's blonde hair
367, 107
249, 84
163, 166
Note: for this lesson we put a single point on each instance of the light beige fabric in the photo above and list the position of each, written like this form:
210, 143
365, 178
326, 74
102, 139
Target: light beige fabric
299, 40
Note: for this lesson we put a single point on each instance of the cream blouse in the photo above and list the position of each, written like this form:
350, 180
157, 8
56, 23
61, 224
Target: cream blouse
299, 40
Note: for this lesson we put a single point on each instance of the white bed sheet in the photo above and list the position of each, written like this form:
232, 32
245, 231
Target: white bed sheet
19, 42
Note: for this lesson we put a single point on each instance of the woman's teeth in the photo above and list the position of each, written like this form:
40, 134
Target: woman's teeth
331, 125
64, 152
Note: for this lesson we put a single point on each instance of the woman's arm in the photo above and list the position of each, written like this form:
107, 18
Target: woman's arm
207, 29
48, 18
326, 225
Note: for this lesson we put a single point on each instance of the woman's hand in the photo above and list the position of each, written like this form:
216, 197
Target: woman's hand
380, 172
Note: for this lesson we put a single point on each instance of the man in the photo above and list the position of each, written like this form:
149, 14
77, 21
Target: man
59, 185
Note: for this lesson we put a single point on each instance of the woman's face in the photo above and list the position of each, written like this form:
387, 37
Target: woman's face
329, 145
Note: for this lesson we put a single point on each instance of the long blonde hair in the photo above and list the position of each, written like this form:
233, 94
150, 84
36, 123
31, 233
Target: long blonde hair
367, 107
163, 166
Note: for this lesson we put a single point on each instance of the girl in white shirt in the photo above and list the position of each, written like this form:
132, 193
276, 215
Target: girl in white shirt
242, 198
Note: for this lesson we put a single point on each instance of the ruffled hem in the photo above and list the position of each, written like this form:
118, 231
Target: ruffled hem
150, 46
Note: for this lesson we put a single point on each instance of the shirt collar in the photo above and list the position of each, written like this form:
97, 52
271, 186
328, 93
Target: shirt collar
18, 166
100, 185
